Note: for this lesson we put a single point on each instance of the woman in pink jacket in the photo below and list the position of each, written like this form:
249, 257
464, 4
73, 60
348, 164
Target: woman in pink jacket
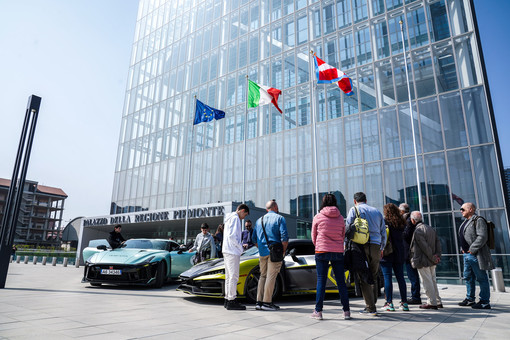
328, 233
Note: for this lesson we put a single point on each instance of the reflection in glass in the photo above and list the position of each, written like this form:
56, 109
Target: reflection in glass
343, 10
366, 88
453, 120
468, 62
461, 178
417, 27
423, 73
336, 142
406, 136
352, 140
411, 188
384, 81
439, 195
390, 139
477, 116
370, 136
488, 180
439, 21
393, 182
444, 64
430, 124
374, 185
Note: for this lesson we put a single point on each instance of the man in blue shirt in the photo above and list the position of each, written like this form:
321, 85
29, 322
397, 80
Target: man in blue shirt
373, 248
246, 235
276, 230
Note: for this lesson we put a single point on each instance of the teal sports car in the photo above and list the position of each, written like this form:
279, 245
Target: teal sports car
140, 261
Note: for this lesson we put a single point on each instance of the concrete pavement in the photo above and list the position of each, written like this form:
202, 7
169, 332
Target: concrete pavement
44, 302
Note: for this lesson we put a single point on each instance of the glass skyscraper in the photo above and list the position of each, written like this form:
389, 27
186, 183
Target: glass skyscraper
206, 48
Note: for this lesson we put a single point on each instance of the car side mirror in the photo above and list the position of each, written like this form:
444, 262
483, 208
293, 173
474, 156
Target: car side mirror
101, 247
292, 254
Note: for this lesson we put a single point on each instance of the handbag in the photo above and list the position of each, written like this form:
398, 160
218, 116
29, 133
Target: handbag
275, 249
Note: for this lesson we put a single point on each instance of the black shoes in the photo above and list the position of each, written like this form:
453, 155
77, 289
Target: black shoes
258, 305
269, 307
234, 305
414, 301
481, 305
467, 302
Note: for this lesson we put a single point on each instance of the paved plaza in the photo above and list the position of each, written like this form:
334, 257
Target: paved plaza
45, 302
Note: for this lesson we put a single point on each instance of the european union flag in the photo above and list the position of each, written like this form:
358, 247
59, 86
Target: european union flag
204, 113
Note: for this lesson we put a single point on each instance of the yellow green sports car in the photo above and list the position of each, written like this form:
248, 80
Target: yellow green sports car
297, 276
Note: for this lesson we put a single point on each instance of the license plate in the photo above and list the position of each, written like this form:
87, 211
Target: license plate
111, 271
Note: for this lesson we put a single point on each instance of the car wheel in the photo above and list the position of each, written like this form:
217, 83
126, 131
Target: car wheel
95, 284
252, 282
160, 275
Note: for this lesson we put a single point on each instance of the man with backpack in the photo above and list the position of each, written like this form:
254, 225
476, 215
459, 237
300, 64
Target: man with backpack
473, 236
373, 247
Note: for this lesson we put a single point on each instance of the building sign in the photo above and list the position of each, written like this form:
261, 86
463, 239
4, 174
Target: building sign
166, 215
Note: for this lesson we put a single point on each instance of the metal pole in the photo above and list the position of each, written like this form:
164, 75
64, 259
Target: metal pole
245, 138
314, 133
189, 177
411, 113
15, 194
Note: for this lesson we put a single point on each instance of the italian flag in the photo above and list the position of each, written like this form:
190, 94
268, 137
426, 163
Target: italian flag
261, 95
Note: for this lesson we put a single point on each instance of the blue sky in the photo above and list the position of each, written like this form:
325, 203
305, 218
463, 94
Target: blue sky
75, 55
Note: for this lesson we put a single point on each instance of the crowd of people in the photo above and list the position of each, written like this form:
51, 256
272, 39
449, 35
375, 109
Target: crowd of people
391, 241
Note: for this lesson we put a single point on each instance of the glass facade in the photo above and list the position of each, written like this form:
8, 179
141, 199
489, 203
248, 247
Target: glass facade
205, 48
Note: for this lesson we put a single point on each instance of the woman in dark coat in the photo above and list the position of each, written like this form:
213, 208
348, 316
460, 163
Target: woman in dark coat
394, 262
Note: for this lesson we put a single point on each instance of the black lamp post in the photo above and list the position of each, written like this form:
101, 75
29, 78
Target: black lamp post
15, 195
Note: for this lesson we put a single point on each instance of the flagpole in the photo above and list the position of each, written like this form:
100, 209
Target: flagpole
314, 132
189, 177
411, 113
245, 137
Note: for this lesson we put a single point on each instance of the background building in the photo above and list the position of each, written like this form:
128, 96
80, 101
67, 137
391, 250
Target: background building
40, 213
206, 48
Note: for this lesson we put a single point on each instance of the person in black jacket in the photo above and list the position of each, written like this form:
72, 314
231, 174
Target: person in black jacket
115, 239
412, 273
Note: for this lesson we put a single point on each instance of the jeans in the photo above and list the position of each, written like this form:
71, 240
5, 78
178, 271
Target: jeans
322, 261
398, 269
473, 272
412, 275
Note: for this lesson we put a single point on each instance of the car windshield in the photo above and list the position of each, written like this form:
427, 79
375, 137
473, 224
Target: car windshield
101, 242
253, 251
145, 244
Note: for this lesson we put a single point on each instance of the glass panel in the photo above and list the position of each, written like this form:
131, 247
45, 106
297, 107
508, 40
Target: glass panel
460, 16
439, 21
289, 34
417, 27
444, 64
276, 35
384, 80
302, 28
453, 120
423, 73
346, 50
370, 127
468, 61
303, 106
393, 182
430, 124
461, 178
389, 133
254, 48
377, 7
401, 79
352, 140
367, 88
290, 109
363, 46
290, 71
396, 33
304, 140
336, 142
392, 4
443, 224
315, 21
354, 183
411, 188
328, 15
374, 185
334, 102
437, 182
360, 10
380, 34
406, 136
488, 180
343, 10
243, 52
477, 116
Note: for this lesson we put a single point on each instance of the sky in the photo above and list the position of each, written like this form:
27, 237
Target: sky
75, 54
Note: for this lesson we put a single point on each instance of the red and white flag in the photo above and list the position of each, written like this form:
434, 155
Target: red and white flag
327, 74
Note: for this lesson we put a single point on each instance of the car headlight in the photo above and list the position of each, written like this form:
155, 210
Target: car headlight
215, 272
146, 262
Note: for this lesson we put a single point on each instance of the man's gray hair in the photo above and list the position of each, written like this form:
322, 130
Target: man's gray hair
404, 207
416, 215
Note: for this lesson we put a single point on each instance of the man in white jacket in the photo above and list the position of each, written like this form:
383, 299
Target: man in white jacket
232, 249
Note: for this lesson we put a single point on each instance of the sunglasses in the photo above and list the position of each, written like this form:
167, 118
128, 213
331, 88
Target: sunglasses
462, 209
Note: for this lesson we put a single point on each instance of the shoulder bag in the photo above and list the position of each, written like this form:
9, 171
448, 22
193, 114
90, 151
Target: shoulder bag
275, 249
